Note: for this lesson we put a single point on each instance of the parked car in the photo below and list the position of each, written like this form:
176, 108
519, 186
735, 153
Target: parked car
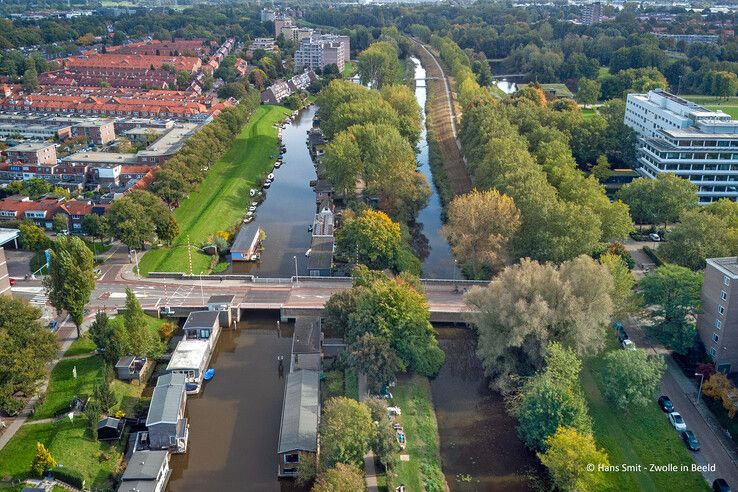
622, 335
690, 440
666, 404
53, 325
628, 344
13, 281
677, 421
720, 485
654, 237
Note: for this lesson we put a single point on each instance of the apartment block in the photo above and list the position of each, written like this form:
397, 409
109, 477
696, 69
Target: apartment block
717, 322
592, 13
33, 153
321, 50
98, 132
685, 139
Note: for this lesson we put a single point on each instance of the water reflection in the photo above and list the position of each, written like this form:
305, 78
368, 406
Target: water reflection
480, 449
234, 423
429, 241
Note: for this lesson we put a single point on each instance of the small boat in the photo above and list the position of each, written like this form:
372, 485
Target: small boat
310, 228
278, 164
254, 203
307, 253
191, 386
252, 192
267, 184
250, 214
247, 220
252, 209
209, 374
270, 176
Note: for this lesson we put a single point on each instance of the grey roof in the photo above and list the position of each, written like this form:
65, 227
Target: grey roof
165, 401
125, 361
30, 147
221, 299
300, 412
245, 237
321, 253
728, 265
306, 338
201, 319
144, 465
108, 422
138, 486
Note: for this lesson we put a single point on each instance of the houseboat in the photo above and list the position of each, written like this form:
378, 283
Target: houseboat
192, 355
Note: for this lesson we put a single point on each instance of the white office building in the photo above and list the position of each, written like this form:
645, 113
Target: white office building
683, 138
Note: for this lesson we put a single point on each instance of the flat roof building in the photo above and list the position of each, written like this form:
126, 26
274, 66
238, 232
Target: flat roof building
298, 431
717, 321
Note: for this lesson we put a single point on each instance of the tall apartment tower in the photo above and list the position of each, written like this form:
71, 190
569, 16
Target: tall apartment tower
717, 322
592, 13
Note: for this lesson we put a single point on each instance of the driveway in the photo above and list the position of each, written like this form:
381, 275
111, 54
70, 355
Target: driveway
716, 448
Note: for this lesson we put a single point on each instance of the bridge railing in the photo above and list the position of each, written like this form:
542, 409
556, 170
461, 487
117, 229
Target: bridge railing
302, 278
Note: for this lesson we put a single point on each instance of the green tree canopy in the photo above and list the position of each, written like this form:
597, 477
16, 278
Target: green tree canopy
378, 64
569, 452
346, 431
632, 377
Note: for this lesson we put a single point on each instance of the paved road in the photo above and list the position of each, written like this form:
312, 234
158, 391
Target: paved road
717, 449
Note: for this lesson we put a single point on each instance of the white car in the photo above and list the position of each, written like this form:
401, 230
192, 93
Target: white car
677, 421
628, 344
654, 237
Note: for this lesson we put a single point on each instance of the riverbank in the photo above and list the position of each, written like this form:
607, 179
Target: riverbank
221, 200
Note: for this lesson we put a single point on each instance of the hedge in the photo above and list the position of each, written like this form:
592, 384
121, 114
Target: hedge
69, 477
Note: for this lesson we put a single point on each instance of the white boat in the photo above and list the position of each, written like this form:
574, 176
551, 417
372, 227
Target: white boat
252, 192
253, 204
267, 184
270, 177
277, 164
250, 214
252, 209
248, 219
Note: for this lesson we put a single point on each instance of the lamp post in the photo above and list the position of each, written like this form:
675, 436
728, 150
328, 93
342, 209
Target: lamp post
702, 378
297, 278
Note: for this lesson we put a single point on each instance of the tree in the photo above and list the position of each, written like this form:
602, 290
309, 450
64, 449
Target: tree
60, 223
96, 226
139, 338
373, 356
551, 399
385, 444
104, 395
33, 238
346, 431
675, 290
341, 478
30, 78
632, 377
625, 301
601, 170
479, 228
660, 200
378, 64
719, 387
100, 329
26, 349
724, 84
371, 238
696, 237
588, 91
42, 461
131, 223
337, 311
530, 305
71, 278
569, 455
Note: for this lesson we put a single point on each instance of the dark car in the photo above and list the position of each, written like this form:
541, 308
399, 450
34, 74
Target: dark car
720, 485
666, 404
690, 440
53, 325
622, 335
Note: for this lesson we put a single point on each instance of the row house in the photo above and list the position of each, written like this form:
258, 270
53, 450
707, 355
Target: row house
40, 212
133, 63
65, 175
198, 46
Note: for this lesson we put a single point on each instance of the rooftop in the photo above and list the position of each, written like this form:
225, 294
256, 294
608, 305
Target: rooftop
188, 354
30, 147
300, 412
306, 338
201, 319
165, 400
321, 253
103, 157
145, 465
727, 265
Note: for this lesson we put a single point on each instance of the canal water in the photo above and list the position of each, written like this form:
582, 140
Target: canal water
480, 449
433, 247
288, 209
234, 422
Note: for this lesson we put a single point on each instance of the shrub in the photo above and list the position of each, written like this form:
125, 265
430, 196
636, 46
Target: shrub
70, 477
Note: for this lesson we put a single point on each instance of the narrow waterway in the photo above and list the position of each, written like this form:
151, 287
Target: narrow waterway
288, 208
234, 423
480, 449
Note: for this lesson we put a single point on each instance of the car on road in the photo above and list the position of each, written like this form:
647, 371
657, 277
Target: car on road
666, 404
13, 282
720, 485
628, 344
677, 421
690, 440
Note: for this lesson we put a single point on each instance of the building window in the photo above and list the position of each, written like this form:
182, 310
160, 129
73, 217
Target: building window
723, 295
726, 280
721, 309
712, 351
292, 458
715, 337
718, 324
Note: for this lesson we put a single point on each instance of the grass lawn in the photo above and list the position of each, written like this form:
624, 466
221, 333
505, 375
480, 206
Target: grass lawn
349, 69
729, 106
641, 437
413, 396
96, 246
71, 446
222, 199
81, 346
588, 113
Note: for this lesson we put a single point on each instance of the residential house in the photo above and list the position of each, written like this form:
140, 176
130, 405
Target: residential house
167, 426
246, 243
132, 367
147, 471
306, 344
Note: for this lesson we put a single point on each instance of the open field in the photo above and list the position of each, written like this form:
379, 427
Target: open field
222, 199
643, 436
588, 113
413, 396
729, 106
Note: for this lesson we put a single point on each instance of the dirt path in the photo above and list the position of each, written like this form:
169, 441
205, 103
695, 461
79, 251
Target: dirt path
441, 121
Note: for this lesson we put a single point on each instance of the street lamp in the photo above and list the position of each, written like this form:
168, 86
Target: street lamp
297, 277
702, 378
